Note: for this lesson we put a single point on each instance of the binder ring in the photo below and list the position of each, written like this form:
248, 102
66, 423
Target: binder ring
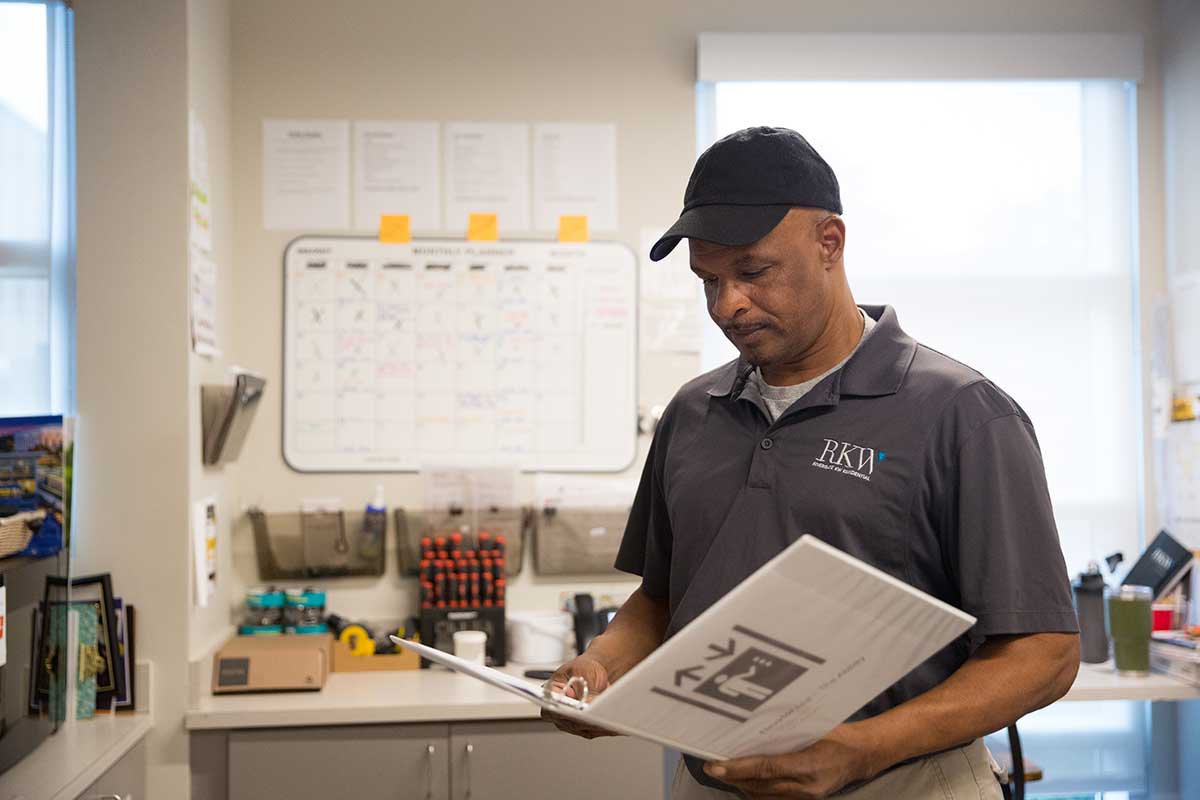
574, 679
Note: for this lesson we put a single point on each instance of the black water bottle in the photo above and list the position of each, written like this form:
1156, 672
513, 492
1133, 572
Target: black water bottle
1089, 607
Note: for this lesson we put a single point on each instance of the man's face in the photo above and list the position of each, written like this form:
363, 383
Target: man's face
772, 298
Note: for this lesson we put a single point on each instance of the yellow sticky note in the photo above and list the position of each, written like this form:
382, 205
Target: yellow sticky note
572, 229
395, 229
483, 228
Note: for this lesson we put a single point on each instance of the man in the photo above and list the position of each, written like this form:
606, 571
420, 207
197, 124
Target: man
953, 499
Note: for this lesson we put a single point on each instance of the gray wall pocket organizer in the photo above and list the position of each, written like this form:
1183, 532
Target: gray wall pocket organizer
578, 541
318, 544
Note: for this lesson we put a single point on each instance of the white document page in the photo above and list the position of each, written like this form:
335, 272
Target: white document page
396, 171
200, 187
306, 174
575, 172
774, 665
203, 306
487, 172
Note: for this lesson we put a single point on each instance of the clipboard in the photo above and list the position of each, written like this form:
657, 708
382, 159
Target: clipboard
771, 667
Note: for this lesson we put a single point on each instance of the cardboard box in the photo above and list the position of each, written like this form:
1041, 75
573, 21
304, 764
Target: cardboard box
272, 664
346, 661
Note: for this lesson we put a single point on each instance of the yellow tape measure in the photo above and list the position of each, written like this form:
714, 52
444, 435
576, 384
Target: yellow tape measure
361, 643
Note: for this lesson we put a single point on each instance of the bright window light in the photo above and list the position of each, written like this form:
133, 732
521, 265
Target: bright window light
36, 183
997, 218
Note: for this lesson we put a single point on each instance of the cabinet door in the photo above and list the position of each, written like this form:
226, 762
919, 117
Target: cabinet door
535, 761
376, 761
125, 779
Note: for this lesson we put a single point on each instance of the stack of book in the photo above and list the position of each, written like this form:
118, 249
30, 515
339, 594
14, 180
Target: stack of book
1177, 654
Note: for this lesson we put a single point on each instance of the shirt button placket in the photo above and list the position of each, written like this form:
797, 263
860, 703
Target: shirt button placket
760, 466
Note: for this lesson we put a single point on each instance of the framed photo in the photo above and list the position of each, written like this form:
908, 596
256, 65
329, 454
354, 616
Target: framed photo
97, 590
47, 654
125, 701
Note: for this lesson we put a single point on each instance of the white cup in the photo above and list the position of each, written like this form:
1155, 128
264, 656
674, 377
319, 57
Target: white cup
470, 645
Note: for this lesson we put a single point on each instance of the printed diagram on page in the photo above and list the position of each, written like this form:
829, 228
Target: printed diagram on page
740, 673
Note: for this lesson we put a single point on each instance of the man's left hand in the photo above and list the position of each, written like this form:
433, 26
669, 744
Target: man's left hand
844, 756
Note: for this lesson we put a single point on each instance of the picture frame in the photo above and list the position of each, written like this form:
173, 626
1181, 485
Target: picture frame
45, 655
127, 664
130, 657
97, 590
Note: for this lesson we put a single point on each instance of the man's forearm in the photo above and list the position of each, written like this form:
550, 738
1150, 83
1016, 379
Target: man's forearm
1005, 679
635, 632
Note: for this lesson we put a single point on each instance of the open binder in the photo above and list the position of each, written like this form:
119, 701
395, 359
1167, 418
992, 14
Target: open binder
774, 665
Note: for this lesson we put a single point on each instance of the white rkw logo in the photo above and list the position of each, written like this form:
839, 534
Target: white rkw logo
848, 457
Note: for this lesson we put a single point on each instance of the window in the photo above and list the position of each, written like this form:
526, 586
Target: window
37, 296
997, 217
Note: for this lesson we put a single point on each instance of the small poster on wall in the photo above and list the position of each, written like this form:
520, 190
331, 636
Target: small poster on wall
199, 186
36, 455
306, 174
203, 303
204, 549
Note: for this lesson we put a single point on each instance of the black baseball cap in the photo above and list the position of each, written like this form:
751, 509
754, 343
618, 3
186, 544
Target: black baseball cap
743, 185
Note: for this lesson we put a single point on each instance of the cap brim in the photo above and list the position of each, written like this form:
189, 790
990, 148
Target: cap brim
729, 225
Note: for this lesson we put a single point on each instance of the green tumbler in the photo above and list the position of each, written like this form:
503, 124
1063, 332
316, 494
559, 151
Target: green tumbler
1129, 625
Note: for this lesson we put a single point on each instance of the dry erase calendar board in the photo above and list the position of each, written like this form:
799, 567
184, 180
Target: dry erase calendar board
472, 353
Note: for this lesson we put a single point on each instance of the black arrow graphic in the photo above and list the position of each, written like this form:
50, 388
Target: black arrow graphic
720, 653
687, 673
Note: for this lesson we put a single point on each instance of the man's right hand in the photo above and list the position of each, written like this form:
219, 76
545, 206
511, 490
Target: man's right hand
596, 675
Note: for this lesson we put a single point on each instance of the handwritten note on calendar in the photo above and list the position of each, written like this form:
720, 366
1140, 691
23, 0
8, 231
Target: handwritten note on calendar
451, 352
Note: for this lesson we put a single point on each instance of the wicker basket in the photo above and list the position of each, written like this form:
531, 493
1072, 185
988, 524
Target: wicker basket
15, 532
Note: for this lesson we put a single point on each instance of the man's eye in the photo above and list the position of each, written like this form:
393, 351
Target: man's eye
754, 273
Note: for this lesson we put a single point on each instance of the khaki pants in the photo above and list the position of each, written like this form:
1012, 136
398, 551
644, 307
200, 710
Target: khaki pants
965, 772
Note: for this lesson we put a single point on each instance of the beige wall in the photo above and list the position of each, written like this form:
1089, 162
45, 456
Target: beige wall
210, 97
132, 490
139, 66
626, 62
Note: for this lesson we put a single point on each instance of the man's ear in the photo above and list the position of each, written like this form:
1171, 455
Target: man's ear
831, 238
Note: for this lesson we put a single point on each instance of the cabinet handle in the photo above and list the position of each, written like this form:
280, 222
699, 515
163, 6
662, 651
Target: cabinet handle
470, 749
429, 751
109, 797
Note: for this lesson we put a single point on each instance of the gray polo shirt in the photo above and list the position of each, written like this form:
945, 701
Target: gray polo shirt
904, 458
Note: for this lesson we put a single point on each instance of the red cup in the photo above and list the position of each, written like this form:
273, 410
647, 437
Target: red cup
1163, 615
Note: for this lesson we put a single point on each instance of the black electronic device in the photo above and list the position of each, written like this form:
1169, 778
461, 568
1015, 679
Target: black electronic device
438, 625
1161, 566
586, 627
28, 586
590, 621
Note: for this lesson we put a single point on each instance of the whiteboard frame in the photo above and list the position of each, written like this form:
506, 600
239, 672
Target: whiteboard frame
635, 356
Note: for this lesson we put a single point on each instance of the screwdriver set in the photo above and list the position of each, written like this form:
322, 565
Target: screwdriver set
462, 579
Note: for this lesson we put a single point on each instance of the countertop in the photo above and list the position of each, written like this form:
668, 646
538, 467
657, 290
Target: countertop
439, 695
71, 760
418, 695
1101, 682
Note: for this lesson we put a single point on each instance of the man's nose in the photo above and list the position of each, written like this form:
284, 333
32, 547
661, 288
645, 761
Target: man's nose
726, 301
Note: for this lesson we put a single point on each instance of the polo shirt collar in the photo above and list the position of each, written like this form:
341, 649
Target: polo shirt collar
877, 369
